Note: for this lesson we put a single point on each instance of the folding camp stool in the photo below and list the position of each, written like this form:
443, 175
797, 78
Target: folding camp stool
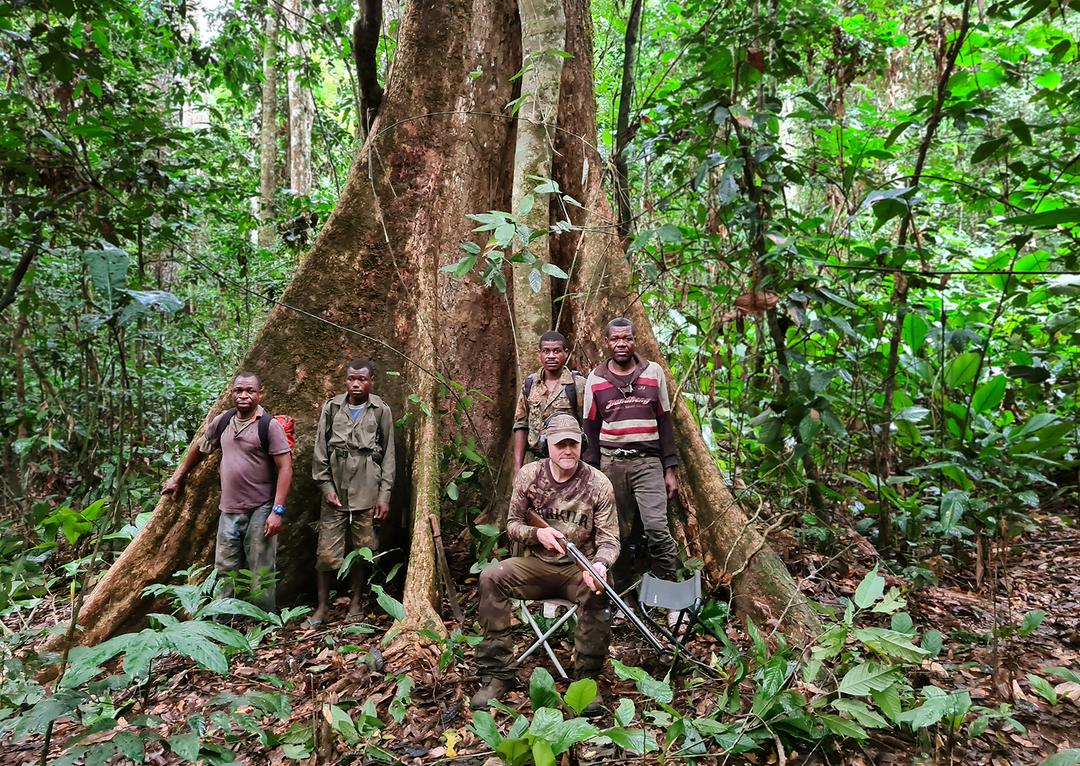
550, 609
683, 596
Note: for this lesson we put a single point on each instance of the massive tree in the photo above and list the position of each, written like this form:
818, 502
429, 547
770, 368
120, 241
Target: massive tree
443, 146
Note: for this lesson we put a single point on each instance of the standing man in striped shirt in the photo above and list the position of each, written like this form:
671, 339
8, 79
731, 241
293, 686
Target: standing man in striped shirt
631, 438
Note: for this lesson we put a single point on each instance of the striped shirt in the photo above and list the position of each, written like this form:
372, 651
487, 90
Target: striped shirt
630, 412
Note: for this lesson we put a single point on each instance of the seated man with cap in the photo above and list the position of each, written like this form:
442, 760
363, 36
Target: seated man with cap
578, 504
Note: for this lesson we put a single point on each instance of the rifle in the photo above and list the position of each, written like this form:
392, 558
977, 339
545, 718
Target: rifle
536, 520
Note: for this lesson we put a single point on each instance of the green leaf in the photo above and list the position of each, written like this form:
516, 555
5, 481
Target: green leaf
870, 589
888, 700
541, 753
896, 132
1021, 130
670, 234
186, 746
554, 271
1043, 688
1049, 79
989, 395
545, 723
45, 711
389, 604
580, 694
891, 603
624, 712
961, 370
628, 672
1032, 621
987, 148
483, 725
504, 233
542, 692
842, 727
130, 746
932, 641
914, 331
890, 643
526, 206
569, 733
514, 751
108, 273
204, 652
636, 741
1046, 219
660, 691
1070, 757
536, 280
865, 678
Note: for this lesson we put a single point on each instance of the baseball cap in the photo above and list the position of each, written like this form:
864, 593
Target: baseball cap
562, 426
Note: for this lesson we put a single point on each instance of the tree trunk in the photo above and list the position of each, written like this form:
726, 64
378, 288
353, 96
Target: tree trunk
543, 29
301, 106
622, 124
268, 130
438, 152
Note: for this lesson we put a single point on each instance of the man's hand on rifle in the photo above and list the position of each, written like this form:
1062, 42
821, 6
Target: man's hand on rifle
590, 582
552, 539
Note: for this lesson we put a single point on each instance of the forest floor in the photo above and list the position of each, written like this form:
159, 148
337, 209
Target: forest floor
1040, 570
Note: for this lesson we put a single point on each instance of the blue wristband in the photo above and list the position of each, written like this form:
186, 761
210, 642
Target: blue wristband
278, 509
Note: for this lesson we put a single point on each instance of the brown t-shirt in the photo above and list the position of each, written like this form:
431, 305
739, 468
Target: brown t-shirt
248, 478
582, 508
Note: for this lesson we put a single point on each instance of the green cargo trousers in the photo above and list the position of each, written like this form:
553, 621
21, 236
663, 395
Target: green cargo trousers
531, 578
639, 489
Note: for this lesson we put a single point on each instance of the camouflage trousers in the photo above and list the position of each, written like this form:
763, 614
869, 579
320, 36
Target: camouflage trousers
530, 578
341, 531
241, 544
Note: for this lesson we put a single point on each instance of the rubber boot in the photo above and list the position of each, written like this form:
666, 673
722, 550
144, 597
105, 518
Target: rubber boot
492, 690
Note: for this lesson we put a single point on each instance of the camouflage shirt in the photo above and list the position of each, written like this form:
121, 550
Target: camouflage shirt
582, 508
541, 404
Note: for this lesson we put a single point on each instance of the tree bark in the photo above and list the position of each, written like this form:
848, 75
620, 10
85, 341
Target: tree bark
301, 106
543, 29
268, 129
438, 150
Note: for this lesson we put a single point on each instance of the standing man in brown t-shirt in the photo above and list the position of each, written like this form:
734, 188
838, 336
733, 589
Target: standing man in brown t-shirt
255, 480
578, 504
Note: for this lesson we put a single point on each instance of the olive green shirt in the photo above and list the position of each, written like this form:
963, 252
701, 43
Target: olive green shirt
357, 461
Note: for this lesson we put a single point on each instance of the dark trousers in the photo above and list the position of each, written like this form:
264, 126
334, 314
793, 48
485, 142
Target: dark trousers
531, 578
640, 491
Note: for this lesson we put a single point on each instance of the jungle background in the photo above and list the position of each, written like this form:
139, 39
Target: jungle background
854, 227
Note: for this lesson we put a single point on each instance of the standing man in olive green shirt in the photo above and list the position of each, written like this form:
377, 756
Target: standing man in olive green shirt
551, 389
353, 465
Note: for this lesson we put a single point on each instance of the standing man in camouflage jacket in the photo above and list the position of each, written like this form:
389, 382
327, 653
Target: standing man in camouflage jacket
551, 389
578, 504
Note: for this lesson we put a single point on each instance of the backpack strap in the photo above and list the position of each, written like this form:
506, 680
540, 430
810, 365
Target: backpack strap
264, 431
571, 392
222, 424
527, 386
328, 421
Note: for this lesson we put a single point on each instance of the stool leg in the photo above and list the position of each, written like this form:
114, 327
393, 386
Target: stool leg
550, 631
540, 634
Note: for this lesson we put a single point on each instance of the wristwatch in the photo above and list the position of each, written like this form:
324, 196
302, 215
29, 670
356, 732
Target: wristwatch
278, 509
